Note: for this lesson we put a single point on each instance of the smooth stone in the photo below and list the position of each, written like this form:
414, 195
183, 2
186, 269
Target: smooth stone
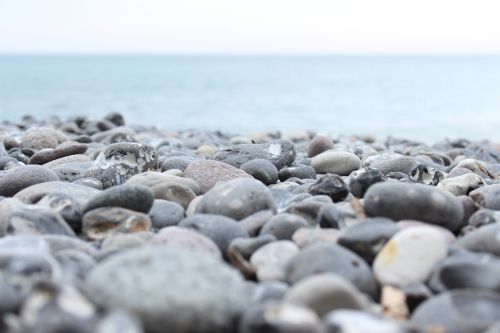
256, 221
262, 170
221, 229
237, 198
48, 154
279, 318
58, 308
368, 237
118, 242
82, 194
177, 162
119, 321
281, 153
331, 258
327, 292
404, 165
269, 291
467, 271
271, 259
400, 201
461, 185
177, 193
192, 302
341, 163
470, 208
151, 179
14, 180
319, 144
456, 172
165, 213
62, 243
297, 171
483, 217
64, 205
68, 159
282, 226
307, 236
99, 223
335, 216
330, 185
17, 218
360, 180
133, 197
42, 137
245, 247
487, 196
309, 208
118, 162
209, 172
447, 234
70, 172
410, 256
89, 182
74, 265
484, 239
350, 321
460, 311
186, 239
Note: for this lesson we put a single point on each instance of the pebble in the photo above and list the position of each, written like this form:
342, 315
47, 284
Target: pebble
152, 179
237, 198
42, 137
341, 163
487, 196
400, 201
360, 180
271, 259
297, 171
49, 154
350, 321
133, 197
99, 223
281, 153
484, 239
319, 144
221, 229
368, 237
282, 226
72, 171
177, 193
327, 292
82, 194
207, 173
461, 185
330, 185
165, 213
460, 311
186, 239
14, 180
307, 236
262, 170
331, 258
410, 256
179, 297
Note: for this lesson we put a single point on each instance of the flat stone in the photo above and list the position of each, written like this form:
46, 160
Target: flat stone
281, 153
99, 223
410, 256
14, 180
134, 197
192, 302
341, 163
331, 258
209, 172
78, 158
49, 154
399, 201
237, 198
460, 311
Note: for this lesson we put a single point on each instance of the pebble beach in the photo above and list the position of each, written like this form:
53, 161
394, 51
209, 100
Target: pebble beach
111, 227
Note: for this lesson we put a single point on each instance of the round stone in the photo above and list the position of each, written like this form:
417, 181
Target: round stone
134, 197
164, 287
165, 213
178, 193
283, 226
42, 137
48, 154
297, 171
17, 179
341, 163
237, 198
262, 170
410, 256
271, 259
401, 201
319, 144
485, 239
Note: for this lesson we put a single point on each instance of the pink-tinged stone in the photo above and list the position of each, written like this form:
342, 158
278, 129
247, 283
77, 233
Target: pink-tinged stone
209, 172
319, 144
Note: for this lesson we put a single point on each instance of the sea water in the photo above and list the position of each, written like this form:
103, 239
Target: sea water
419, 97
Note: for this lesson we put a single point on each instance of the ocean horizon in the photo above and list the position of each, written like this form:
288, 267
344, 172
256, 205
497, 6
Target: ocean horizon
420, 97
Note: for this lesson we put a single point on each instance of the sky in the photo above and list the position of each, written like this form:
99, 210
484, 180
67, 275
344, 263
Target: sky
249, 26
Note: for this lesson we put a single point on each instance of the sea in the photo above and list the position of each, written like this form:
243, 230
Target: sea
425, 98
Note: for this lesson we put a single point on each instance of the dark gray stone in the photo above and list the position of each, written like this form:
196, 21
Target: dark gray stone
179, 297
262, 170
48, 154
330, 185
484, 239
297, 171
134, 197
17, 179
282, 226
361, 180
165, 213
281, 153
404, 201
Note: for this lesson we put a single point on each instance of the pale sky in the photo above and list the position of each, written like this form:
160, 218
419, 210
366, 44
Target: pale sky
250, 26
